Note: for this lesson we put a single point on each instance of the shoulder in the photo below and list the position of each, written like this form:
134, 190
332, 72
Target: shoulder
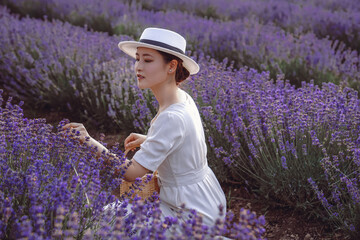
172, 117
168, 125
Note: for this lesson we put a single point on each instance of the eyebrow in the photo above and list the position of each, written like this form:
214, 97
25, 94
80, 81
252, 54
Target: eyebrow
145, 54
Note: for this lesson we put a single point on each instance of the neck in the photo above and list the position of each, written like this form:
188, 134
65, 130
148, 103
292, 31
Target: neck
166, 94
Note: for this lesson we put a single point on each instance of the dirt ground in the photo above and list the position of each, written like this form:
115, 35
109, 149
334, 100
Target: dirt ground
281, 224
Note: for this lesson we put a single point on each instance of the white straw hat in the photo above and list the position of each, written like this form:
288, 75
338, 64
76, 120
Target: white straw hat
162, 40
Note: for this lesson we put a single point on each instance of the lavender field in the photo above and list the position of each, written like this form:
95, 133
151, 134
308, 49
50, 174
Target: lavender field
277, 91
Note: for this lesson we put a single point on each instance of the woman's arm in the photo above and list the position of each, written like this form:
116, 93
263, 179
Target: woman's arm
134, 169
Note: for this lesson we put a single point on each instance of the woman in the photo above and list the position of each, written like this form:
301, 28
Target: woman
175, 143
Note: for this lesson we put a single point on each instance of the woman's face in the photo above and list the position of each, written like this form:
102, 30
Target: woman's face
150, 68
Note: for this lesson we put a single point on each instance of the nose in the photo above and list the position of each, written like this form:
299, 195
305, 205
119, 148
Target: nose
138, 66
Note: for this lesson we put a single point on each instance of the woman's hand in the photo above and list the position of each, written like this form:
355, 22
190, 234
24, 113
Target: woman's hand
84, 136
133, 141
77, 127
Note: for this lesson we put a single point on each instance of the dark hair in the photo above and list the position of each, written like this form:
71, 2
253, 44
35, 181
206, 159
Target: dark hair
181, 72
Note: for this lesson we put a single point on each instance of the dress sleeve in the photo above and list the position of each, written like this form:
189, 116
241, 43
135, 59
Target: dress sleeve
165, 136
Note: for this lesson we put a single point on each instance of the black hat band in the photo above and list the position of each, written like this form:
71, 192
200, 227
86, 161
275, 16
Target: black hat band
161, 44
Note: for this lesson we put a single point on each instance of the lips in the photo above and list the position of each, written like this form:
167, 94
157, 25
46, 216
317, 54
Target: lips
139, 76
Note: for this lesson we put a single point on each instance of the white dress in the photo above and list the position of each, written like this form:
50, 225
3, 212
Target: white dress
175, 147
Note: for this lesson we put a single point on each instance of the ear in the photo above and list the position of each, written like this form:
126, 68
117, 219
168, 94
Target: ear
173, 65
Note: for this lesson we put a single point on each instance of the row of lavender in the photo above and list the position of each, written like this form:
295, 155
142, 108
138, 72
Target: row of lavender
298, 56
50, 188
338, 19
58, 65
271, 133
231, 6
285, 143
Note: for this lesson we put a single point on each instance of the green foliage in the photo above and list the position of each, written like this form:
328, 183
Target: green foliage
130, 29
296, 70
99, 23
209, 12
32, 8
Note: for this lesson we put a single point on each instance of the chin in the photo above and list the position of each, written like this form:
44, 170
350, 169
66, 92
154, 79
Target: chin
141, 86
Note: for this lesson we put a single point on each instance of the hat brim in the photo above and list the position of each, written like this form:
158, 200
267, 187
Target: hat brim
130, 48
